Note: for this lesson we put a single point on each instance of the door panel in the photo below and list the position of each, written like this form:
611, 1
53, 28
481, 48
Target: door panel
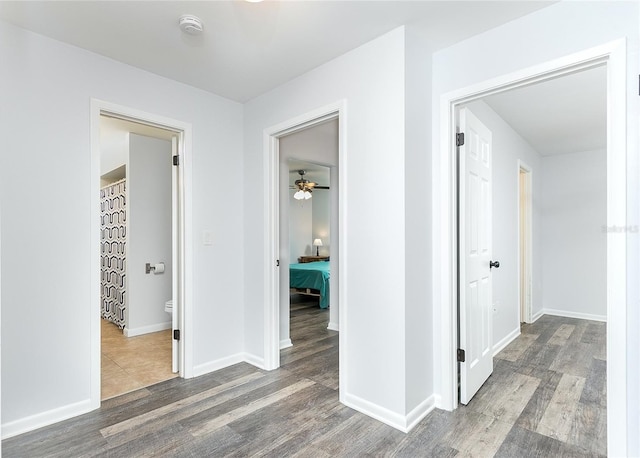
475, 316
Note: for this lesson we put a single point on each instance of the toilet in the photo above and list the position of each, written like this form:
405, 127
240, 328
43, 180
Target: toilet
168, 306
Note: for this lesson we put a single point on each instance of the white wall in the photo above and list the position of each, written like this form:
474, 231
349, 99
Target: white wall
574, 216
371, 81
418, 320
149, 234
550, 33
309, 220
47, 305
508, 148
321, 223
114, 145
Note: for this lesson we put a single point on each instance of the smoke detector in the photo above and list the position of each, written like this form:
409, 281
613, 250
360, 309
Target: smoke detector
191, 24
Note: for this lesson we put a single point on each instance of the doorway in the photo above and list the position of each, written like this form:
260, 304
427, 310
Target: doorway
309, 219
144, 137
135, 230
613, 55
310, 216
278, 251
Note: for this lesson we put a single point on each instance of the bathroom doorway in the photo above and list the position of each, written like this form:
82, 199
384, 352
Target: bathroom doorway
136, 260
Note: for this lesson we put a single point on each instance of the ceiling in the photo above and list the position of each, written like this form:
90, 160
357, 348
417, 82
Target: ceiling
564, 115
249, 48
109, 126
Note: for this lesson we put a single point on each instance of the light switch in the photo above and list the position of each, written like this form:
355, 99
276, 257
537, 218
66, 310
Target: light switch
207, 238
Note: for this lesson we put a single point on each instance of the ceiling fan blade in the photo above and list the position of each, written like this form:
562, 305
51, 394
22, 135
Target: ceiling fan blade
310, 184
321, 187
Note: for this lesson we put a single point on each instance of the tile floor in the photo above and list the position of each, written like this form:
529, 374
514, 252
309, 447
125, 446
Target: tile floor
130, 363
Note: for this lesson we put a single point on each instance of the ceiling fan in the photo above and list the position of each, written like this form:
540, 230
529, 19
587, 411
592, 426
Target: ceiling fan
305, 187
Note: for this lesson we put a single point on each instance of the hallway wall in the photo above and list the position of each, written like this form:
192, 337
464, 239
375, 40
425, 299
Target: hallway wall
574, 234
47, 305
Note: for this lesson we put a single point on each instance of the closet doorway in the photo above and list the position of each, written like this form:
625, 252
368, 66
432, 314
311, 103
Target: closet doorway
140, 253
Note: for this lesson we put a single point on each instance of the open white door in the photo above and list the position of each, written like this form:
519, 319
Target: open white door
175, 240
476, 317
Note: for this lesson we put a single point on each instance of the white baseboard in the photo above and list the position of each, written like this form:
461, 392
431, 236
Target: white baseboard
47, 418
437, 403
333, 326
567, 314
535, 317
254, 360
420, 411
375, 411
132, 332
218, 364
393, 419
513, 335
286, 343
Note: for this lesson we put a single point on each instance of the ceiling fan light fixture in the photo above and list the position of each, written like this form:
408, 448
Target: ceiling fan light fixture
299, 195
307, 195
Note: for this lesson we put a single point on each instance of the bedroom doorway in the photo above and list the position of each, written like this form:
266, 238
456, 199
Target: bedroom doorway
306, 149
311, 350
308, 216
309, 230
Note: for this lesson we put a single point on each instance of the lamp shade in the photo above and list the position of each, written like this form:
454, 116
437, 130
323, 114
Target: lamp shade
299, 195
317, 242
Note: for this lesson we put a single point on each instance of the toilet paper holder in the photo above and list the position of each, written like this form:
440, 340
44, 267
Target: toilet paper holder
155, 268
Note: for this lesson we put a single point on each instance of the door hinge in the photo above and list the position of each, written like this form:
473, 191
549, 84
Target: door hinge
176, 334
460, 139
461, 355
176, 160
277, 263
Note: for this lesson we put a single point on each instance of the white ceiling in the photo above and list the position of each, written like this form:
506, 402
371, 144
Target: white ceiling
564, 115
249, 48
110, 126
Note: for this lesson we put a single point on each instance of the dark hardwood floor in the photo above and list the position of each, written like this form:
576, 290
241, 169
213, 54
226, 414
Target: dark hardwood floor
546, 397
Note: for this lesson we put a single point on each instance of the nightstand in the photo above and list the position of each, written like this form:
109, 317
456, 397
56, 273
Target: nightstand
302, 259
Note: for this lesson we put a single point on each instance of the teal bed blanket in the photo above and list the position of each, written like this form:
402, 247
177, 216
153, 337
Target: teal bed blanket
314, 275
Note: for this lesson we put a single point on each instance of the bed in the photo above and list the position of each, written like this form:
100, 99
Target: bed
311, 278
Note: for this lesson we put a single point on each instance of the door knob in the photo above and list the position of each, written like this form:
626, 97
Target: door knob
495, 264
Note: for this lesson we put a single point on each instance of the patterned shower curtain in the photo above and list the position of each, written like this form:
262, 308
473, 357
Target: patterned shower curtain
113, 232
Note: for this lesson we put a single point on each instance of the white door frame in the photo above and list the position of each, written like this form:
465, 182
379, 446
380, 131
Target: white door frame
445, 266
271, 138
527, 316
185, 279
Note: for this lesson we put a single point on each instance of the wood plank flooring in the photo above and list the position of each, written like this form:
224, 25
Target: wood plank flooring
546, 397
